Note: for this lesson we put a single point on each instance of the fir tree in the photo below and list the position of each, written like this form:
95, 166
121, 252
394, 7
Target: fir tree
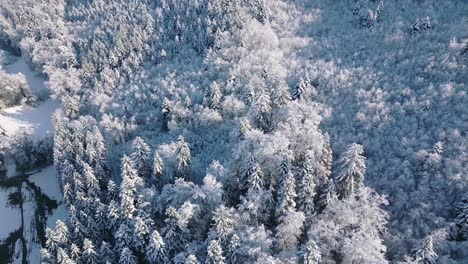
155, 250
183, 157
223, 223
281, 95
461, 219
306, 190
127, 257
353, 169
52, 243
106, 253
61, 233
425, 254
215, 253
326, 196
158, 167
262, 110
300, 88
286, 193
166, 112
215, 96
244, 127
123, 237
253, 176
191, 259
75, 252
310, 253
141, 157
175, 233
89, 255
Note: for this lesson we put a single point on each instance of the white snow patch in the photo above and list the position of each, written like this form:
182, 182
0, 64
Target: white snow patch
10, 218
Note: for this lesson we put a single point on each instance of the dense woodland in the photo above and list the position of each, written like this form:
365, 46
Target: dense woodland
263, 131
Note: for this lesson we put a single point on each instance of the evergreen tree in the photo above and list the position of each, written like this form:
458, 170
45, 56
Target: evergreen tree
47, 257
166, 112
233, 248
52, 242
326, 196
75, 252
326, 160
175, 233
300, 88
158, 167
61, 233
310, 253
127, 257
106, 253
425, 254
353, 169
281, 95
123, 237
215, 96
155, 250
253, 176
306, 190
286, 193
191, 259
141, 157
215, 253
131, 182
183, 157
223, 223
262, 110
62, 257
112, 191
461, 219
141, 234
89, 255
244, 127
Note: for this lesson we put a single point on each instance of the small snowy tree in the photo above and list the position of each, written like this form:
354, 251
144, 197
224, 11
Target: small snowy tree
353, 169
310, 253
306, 190
183, 157
89, 255
461, 219
127, 257
281, 95
425, 253
261, 110
215, 96
215, 253
141, 157
158, 166
155, 250
253, 176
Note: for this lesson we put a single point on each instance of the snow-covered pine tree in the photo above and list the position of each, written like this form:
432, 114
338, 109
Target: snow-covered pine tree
89, 255
127, 257
281, 95
123, 237
461, 218
191, 259
52, 243
166, 113
158, 166
286, 192
155, 250
353, 169
183, 157
300, 88
253, 177
425, 253
215, 253
61, 233
106, 254
244, 127
75, 252
215, 96
131, 183
223, 225
326, 196
141, 157
112, 191
175, 234
261, 110
290, 222
306, 190
62, 257
141, 234
310, 253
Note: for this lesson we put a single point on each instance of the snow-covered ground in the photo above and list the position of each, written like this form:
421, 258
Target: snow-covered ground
37, 119
10, 218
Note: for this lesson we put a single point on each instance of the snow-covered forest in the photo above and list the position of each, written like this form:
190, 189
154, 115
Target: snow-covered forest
233, 131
